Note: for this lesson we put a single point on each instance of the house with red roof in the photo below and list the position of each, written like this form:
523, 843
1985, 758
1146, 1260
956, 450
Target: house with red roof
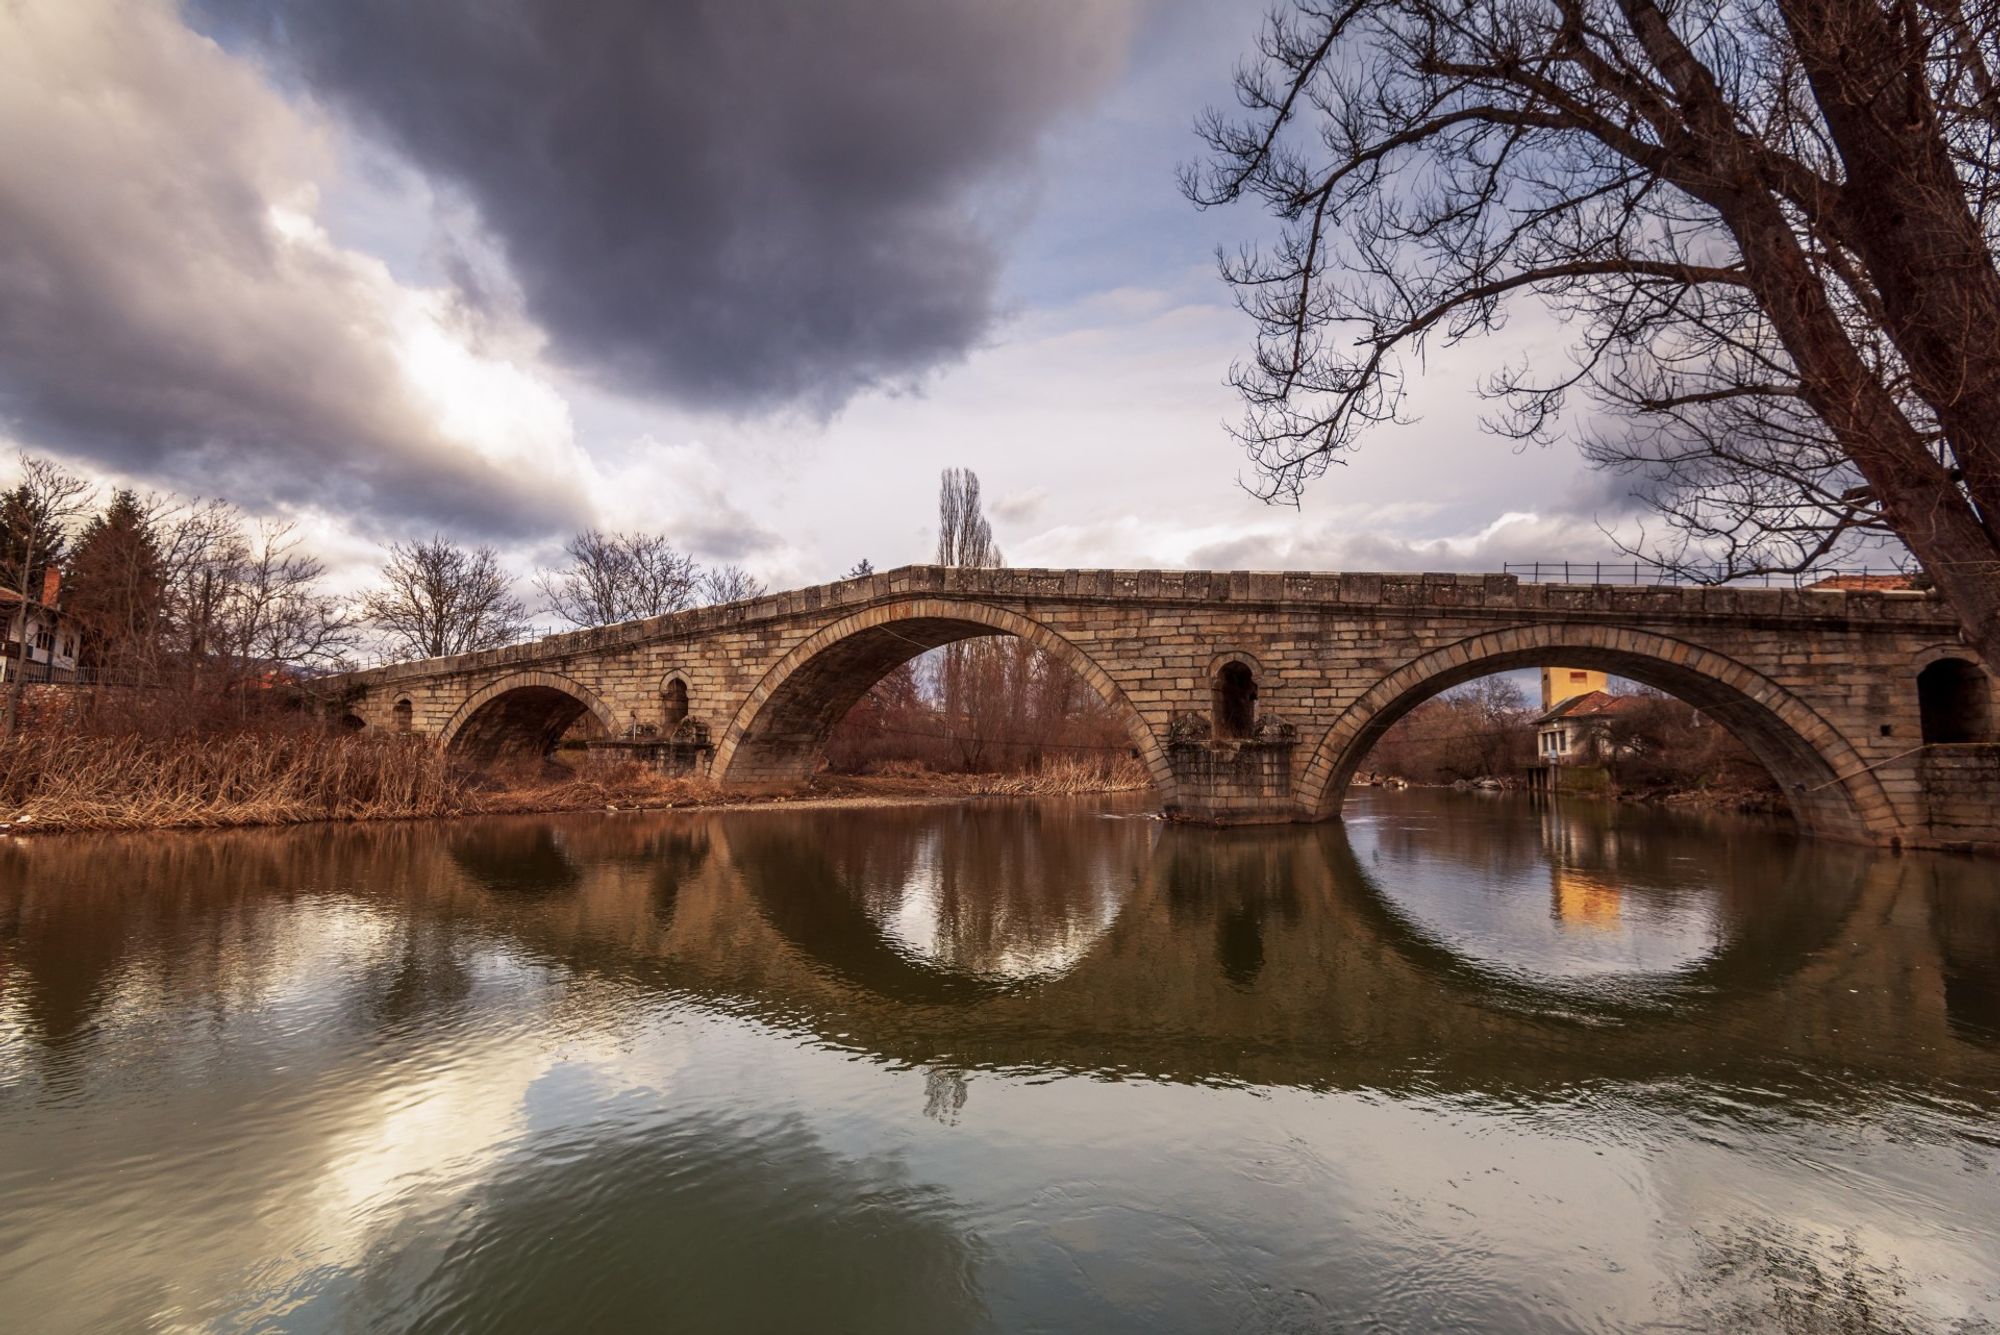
51, 645
1577, 729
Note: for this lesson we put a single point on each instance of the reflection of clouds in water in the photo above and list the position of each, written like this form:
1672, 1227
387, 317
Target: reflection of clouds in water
369, 1155
1015, 931
1775, 1235
414, 1146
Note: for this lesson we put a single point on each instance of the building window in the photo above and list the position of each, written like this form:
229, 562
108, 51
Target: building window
1235, 701
674, 703
1953, 700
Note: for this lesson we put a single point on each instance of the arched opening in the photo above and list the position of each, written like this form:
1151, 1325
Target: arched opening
1234, 693
521, 719
1954, 701
1828, 786
404, 713
673, 704
351, 722
779, 736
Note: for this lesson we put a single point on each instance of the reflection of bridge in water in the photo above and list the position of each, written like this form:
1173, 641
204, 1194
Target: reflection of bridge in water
996, 938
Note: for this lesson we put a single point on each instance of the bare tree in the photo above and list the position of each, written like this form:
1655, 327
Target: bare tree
613, 577
972, 676
437, 599
1770, 222
36, 517
202, 549
964, 536
277, 616
726, 584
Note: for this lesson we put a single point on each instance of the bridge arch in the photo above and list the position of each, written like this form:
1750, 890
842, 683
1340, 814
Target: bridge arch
777, 734
1826, 780
522, 715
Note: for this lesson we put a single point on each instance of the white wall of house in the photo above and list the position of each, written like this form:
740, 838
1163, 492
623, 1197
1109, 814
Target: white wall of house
50, 643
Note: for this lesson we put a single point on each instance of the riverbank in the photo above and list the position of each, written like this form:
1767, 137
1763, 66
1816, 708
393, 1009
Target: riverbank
63, 783
1741, 799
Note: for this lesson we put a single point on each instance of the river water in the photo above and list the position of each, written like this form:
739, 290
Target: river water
1457, 1062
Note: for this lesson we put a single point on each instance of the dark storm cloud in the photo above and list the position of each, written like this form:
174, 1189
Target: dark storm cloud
156, 317
737, 204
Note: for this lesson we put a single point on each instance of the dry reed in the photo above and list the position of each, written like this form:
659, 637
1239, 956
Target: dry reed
74, 781
66, 779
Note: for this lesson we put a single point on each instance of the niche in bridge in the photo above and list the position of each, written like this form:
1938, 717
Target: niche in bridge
1954, 700
673, 704
521, 725
1234, 701
403, 713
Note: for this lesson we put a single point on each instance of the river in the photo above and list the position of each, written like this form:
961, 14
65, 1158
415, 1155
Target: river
1459, 1062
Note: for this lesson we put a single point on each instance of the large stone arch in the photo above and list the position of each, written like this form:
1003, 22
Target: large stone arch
1827, 781
778, 732
522, 714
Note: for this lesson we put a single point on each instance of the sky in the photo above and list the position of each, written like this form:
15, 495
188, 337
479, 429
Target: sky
749, 274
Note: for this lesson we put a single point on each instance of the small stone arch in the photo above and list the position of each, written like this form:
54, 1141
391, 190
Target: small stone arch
1954, 701
778, 732
1233, 700
521, 715
404, 715
1829, 784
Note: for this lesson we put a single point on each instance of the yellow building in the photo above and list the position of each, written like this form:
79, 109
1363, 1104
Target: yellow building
1560, 684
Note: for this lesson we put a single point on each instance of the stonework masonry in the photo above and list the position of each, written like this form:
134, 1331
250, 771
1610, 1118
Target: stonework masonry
1819, 684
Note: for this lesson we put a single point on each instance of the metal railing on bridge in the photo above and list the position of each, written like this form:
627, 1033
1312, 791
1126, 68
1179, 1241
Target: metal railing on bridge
1645, 572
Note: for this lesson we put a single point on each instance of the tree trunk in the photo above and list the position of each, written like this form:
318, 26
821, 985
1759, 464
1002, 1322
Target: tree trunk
1905, 214
17, 684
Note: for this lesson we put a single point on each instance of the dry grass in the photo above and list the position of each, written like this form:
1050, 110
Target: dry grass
61, 779
73, 781
1058, 778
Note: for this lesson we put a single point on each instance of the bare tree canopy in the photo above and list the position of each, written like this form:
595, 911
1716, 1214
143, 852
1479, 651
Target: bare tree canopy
964, 536
726, 584
1771, 223
437, 599
613, 577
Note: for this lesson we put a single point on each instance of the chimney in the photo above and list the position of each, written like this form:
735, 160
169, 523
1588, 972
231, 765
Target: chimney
51, 585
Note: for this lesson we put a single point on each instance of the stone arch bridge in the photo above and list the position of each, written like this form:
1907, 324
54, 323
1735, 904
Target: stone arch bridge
1251, 696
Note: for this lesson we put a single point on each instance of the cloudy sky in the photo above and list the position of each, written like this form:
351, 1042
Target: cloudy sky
747, 272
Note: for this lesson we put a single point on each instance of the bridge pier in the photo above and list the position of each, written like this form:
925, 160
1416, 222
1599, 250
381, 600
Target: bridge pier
1248, 781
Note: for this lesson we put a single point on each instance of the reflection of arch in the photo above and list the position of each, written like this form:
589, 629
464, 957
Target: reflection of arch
831, 927
523, 714
1802, 904
777, 734
1954, 701
1827, 782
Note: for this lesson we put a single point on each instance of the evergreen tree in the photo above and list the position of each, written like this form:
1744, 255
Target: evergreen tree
115, 591
28, 533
